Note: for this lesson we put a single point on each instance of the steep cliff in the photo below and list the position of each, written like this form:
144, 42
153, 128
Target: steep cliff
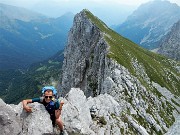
146, 85
170, 43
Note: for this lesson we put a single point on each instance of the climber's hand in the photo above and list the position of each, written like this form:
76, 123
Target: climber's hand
28, 109
61, 104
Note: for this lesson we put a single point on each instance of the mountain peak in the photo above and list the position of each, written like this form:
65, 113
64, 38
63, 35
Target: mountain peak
146, 27
98, 60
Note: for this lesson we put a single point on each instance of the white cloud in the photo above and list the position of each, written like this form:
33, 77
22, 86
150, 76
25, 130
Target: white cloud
176, 1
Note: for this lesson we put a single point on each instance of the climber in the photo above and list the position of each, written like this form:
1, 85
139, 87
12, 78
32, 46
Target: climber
51, 104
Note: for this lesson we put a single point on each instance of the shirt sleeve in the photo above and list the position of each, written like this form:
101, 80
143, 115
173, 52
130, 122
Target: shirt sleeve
36, 100
57, 104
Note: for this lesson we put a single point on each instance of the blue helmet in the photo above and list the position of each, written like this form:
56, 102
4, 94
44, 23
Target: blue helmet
44, 89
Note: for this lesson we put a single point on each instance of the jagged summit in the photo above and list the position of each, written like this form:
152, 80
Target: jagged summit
98, 60
126, 53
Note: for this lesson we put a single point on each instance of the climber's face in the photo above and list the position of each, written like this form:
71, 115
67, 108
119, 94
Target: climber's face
48, 95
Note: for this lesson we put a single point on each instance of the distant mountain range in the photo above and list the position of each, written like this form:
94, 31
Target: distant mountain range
27, 37
149, 23
13, 12
170, 44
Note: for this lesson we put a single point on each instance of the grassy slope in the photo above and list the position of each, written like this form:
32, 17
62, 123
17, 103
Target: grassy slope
158, 68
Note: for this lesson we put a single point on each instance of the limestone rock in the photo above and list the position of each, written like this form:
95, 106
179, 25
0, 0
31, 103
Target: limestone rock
76, 114
14, 120
9, 120
174, 129
37, 122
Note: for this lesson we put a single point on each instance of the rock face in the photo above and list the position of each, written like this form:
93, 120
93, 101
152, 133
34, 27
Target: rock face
174, 130
88, 48
147, 105
170, 44
76, 113
88, 54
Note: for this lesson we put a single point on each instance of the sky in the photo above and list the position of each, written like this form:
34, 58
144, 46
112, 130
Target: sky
107, 10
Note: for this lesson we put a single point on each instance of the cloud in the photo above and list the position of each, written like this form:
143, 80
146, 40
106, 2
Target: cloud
31, 3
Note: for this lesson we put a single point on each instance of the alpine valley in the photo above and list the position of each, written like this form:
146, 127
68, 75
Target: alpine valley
110, 86
27, 37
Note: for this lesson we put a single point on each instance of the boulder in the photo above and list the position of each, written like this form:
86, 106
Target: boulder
9, 120
76, 114
36, 123
92, 116
14, 120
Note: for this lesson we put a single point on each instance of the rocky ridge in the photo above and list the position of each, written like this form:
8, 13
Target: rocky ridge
80, 115
92, 63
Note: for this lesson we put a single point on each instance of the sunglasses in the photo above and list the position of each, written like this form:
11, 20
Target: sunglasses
48, 97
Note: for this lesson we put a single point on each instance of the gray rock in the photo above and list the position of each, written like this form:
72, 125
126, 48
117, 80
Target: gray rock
14, 120
76, 113
78, 110
138, 127
37, 122
174, 129
84, 57
9, 121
